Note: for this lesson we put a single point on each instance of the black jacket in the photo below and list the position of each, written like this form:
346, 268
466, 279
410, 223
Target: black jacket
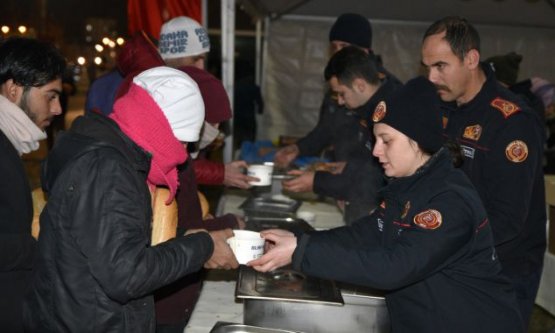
362, 177
17, 246
492, 128
429, 245
95, 270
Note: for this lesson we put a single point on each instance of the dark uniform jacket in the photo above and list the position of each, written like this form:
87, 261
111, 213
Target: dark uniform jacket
17, 246
95, 270
430, 247
362, 177
502, 141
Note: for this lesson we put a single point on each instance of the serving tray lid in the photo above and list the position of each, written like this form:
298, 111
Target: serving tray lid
286, 284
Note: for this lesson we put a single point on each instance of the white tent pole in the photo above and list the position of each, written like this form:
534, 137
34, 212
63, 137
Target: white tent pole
204, 13
258, 49
264, 51
228, 50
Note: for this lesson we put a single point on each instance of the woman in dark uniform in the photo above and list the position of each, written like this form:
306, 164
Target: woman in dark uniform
428, 245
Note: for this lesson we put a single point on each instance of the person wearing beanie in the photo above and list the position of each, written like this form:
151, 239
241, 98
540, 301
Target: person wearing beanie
355, 82
349, 29
502, 139
353, 29
183, 42
428, 246
218, 110
175, 302
95, 264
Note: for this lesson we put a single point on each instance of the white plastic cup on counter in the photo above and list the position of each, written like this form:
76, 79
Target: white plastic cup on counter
246, 245
262, 172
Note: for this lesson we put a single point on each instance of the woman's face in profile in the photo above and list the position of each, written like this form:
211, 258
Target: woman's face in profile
397, 153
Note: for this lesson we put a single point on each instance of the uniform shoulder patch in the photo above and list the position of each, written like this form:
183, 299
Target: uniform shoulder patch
507, 108
428, 219
517, 151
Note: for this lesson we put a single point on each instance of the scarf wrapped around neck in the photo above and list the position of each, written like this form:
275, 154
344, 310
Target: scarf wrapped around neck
22, 132
142, 120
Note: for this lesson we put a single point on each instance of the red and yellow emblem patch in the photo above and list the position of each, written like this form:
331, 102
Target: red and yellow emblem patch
517, 151
473, 132
379, 112
507, 108
428, 219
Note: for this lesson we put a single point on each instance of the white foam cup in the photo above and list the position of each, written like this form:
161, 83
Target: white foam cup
246, 245
262, 172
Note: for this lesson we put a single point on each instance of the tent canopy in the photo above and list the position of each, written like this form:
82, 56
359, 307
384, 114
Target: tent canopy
532, 13
292, 81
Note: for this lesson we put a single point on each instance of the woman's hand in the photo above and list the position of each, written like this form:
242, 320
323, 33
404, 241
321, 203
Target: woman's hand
281, 245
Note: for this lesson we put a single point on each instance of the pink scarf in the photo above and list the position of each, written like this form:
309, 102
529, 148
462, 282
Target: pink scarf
141, 119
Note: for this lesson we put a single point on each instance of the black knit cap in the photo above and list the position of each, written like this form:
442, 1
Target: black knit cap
353, 29
414, 110
506, 67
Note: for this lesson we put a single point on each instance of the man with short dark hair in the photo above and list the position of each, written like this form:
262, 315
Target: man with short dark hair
30, 86
335, 120
355, 84
501, 140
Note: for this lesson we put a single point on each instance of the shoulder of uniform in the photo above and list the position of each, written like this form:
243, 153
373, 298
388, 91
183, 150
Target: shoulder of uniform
506, 107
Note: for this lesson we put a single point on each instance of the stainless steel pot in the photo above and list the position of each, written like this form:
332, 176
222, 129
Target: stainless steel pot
289, 300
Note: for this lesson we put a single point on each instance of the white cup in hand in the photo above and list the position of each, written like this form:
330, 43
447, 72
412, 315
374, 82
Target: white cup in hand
262, 172
246, 245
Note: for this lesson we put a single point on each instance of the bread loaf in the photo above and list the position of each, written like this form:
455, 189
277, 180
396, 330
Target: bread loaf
204, 205
39, 201
164, 217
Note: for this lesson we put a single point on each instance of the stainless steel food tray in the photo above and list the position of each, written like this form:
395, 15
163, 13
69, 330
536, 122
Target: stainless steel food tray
286, 285
287, 223
266, 206
224, 327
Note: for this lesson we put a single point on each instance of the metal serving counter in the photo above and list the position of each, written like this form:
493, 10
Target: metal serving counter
217, 299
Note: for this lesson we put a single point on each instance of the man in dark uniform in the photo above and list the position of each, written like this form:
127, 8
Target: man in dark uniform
338, 127
501, 139
356, 85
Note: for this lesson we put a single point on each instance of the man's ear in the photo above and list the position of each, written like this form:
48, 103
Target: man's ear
12, 91
359, 85
472, 59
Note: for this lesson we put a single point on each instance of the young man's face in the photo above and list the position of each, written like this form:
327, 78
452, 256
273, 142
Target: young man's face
446, 71
41, 104
351, 97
